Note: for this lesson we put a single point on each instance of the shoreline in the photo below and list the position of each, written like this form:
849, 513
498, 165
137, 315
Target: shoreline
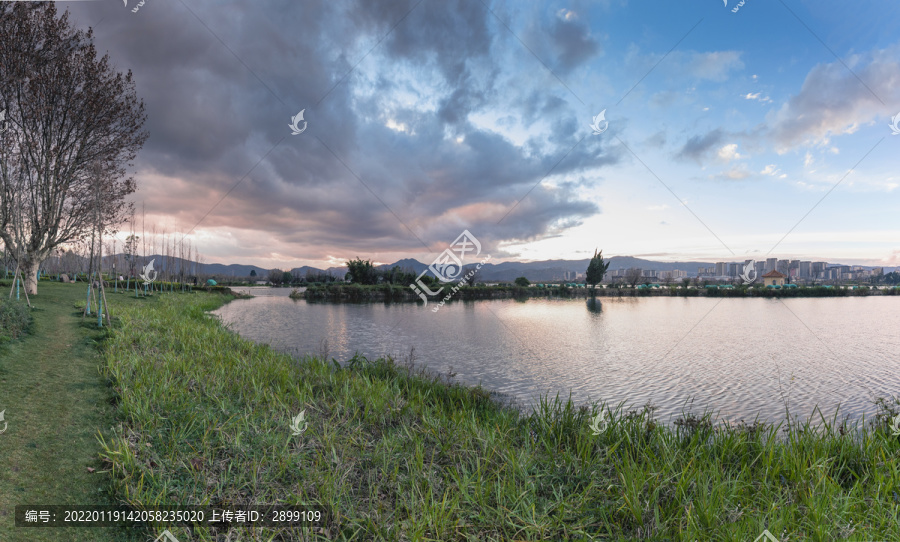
389, 293
525, 406
204, 413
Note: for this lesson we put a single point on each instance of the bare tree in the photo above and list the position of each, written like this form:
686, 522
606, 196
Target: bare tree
66, 110
476, 276
276, 276
633, 276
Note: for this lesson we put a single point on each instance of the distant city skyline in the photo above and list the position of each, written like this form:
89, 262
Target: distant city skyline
290, 134
567, 269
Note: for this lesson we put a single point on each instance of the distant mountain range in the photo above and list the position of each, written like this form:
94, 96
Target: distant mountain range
546, 270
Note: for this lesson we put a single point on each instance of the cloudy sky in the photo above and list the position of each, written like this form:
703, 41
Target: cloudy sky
731, 134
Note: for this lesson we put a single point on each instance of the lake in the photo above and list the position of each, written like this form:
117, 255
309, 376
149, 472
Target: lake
740, 357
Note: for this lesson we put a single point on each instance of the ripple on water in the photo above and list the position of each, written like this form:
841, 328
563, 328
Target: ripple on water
735, 356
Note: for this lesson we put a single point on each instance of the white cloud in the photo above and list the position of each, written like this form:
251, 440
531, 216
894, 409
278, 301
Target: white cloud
736, 173
396, 126
834, 101
729, 152
756, 96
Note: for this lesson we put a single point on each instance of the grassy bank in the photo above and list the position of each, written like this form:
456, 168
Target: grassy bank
388, 292
396, 455
394, 292
55, 402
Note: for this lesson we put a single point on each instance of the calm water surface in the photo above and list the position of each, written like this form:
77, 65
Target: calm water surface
738, 357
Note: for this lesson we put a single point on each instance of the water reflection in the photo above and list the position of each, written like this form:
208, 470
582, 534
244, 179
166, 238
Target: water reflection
736, 356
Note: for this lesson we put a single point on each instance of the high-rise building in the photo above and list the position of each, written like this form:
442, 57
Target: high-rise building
819, 267
760, 269
805, 270
770, 264
721, 269
783, 266
734, 269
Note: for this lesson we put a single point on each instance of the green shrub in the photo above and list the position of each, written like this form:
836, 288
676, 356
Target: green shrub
14, 319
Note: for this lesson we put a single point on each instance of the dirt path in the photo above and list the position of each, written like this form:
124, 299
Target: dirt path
55, 402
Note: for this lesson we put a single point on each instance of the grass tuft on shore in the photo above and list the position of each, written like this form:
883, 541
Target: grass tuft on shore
396, 454
15, 318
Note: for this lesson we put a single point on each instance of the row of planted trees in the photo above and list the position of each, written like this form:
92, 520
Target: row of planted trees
174, 259
71, 126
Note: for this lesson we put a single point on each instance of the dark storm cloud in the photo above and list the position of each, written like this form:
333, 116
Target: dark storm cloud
698, 147
563, 41
214, 117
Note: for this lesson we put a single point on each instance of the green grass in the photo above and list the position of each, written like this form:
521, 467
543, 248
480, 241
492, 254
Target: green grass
188, 413
55, 402
394, 454
15, 317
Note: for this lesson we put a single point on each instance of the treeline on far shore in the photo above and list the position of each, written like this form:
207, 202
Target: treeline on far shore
393, 292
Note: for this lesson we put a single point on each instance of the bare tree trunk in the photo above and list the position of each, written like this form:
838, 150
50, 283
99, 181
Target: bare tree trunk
29, 273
